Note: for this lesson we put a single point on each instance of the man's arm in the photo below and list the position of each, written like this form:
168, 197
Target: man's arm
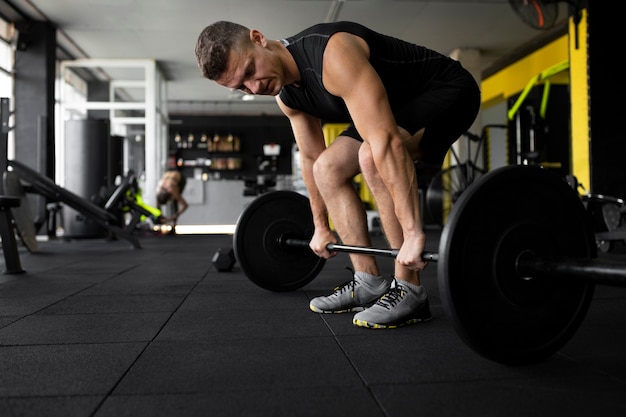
181, 203
182, 206
348, 74
309, 137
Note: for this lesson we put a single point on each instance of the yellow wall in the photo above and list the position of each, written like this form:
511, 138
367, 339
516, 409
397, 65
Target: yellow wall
579, 88
512, 80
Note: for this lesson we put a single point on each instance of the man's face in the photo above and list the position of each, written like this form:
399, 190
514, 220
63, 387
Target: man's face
253, 70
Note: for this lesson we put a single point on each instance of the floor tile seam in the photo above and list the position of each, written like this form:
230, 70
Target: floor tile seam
66, 297
354, 366
74, 344
105, 313
371, 386
227, 390
119, 380
362, 378
456, 380
116, 295
142, 351
63, 268
16, 318
76, 257
191, 392
596, 370
49, 396
241, 339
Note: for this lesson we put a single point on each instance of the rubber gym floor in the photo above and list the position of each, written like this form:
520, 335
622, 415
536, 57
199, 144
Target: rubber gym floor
96, 328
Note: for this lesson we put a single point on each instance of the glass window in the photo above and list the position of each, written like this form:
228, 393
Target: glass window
7, 34
6, 59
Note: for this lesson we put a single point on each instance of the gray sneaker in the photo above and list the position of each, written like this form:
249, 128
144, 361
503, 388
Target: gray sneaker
400, 306
354, 295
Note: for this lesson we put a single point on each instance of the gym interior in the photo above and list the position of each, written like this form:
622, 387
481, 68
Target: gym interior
106, 312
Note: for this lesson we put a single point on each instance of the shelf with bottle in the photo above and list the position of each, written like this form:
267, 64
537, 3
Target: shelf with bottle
190, 142
220, 163
224, 143
218, 143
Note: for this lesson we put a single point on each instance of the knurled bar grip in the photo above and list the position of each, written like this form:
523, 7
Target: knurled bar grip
334, 247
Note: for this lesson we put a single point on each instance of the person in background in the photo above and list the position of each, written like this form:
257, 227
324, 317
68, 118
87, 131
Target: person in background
170, 189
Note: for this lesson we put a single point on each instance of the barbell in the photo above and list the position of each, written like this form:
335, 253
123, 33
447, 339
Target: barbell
516, 265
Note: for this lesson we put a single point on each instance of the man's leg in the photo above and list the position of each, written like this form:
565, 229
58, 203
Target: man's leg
390, 225
406, 302
334, 171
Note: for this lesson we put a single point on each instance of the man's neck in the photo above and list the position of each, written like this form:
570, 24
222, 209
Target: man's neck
292, 73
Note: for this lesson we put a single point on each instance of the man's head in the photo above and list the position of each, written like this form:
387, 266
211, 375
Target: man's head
163, 196
214, 45
240, 59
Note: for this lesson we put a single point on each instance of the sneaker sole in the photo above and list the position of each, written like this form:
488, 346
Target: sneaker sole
363, 323
349, 310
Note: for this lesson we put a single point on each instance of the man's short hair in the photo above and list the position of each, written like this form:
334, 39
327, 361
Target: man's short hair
214, 44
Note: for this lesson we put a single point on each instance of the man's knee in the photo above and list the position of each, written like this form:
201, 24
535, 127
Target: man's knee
321, 169
366, 162
329, 169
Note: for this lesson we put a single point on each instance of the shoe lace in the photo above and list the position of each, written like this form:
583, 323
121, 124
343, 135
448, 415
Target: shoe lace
341, 288
395, 294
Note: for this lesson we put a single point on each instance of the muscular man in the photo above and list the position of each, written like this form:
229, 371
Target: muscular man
406, 104
170, 188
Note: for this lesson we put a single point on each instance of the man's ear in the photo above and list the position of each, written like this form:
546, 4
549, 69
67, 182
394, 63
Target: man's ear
258, 38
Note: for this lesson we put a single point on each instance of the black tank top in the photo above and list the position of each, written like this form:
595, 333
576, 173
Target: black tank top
405, 69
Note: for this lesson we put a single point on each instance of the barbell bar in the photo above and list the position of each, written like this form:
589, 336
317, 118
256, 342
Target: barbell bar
337, 247
528, 265
600, 272
516, 265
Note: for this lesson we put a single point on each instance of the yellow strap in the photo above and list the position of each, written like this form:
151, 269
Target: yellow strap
544, 99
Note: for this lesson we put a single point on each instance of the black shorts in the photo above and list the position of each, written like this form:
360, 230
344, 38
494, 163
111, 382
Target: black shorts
445, 111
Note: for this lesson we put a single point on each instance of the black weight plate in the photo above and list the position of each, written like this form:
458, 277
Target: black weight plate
256, 242
498, 313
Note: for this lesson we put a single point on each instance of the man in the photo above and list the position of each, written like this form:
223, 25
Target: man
405, 103
170, 188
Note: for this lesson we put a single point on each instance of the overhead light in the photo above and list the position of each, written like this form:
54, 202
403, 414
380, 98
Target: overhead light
247, 97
